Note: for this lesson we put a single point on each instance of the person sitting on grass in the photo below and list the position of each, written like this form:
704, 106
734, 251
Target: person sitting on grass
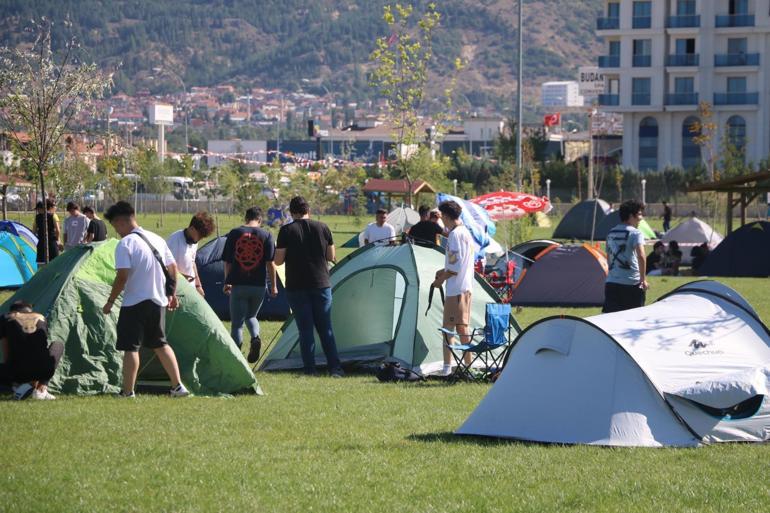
655, 259
672, 259
30, 361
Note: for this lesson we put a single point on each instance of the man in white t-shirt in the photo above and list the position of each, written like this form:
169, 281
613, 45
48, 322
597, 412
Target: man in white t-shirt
142, 312
184, 246
458, 275
379, 232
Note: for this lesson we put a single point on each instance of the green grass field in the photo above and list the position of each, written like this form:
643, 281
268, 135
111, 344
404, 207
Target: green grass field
350, 445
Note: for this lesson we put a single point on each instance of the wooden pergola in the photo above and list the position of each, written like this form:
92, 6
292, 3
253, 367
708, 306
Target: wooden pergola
741, 190
398, 188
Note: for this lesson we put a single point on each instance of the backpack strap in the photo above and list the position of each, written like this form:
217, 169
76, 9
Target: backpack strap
169, 279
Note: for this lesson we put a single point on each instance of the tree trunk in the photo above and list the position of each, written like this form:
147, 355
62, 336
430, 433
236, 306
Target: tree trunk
45, 217
5, 203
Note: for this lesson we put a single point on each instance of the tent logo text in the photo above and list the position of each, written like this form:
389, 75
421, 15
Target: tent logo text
697, 347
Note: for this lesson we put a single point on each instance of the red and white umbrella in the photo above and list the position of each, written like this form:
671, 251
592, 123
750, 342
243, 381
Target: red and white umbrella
504, 205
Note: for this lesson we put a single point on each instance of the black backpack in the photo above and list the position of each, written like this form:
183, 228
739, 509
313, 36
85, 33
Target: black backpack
392, 372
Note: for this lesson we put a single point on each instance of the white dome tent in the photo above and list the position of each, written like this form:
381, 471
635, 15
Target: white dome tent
692, 368
692, 233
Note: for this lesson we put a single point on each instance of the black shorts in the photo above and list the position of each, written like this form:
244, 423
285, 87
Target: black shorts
141, 325
619, 297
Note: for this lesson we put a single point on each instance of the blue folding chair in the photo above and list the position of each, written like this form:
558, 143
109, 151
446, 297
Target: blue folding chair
487, 345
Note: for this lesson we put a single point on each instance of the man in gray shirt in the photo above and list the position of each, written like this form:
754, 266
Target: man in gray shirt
626, 283
75, 226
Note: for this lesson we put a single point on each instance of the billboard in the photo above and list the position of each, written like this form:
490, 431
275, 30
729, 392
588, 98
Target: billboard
161, 114
590, 80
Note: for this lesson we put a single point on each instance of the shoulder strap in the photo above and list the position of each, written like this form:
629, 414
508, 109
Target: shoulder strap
156, 254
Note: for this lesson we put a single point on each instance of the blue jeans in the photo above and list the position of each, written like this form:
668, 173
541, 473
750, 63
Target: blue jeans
245, 301
313, 309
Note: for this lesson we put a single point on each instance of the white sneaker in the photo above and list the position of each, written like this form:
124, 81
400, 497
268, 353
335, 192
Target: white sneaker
446, 371
179, 391
45, 395
22, 391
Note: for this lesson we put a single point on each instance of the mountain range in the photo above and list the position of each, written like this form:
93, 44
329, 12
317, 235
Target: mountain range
316, 46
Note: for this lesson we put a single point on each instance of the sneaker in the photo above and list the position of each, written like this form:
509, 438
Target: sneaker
43, 395
130, 395
446, 371
22, 391
254, 350
179, 391
339, 373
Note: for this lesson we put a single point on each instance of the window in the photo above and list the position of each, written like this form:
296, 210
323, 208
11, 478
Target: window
642, 15
613, 86
737, 46
690, 150
736, 132
685, 46
684, 85
613, 10
739, 7
648, 145
685, 8
736, 85
615, 48
642, 53
640, 91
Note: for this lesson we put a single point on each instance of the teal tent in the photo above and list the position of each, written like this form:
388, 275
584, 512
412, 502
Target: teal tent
18, 254
380, 300
70, 293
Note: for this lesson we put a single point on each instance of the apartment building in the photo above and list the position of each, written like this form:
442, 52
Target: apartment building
663, 57
561, 94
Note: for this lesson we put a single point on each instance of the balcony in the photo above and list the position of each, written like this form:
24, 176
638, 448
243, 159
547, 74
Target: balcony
642, 61
735, 20
607, 23
683, 59
682, 99
689, 21
609, 61
640, 99
736, 98
641, 22
736, 59
609, 100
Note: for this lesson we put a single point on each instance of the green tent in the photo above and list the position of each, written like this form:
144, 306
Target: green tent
379, 310
70, 292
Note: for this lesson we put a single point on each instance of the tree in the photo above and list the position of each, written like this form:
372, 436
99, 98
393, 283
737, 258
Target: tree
41, 92
400, 75
704, 132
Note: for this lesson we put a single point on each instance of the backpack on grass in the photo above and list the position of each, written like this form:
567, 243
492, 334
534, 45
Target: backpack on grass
392, 372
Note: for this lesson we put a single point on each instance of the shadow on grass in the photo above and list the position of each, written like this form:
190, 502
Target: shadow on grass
445, 437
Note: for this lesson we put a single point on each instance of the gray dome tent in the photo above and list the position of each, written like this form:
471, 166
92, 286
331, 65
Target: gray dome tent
578, 221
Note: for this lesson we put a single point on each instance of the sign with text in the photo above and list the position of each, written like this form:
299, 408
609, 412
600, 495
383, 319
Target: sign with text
161, 114
590, 80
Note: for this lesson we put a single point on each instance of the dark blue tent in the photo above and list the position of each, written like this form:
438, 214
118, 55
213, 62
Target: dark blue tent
578, 222
745, 252
212, 271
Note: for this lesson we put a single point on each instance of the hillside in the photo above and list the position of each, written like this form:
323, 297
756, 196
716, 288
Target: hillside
326, 42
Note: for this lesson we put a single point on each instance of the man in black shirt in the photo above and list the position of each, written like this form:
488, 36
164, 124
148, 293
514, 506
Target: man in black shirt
248, 258
667, 213
426, 232
29, 361
306, 246
97, 230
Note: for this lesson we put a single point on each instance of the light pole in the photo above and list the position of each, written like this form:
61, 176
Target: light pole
454, 185
173, 74
548, 188
519, 116
644, 191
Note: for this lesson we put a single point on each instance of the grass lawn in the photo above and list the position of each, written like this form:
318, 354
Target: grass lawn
352, 445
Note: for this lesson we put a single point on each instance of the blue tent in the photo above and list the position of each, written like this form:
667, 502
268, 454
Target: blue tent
745, 252
211, 270
18, 254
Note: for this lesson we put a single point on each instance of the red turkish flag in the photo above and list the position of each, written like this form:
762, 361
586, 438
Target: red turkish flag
552, 119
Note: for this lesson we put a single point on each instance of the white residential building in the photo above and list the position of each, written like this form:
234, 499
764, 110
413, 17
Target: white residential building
663, 57
561, 94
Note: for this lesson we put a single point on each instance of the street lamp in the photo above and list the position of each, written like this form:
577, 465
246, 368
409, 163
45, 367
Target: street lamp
548, 188
644, 191
454, 185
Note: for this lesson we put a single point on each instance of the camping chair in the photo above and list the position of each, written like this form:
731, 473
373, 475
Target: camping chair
487, 345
